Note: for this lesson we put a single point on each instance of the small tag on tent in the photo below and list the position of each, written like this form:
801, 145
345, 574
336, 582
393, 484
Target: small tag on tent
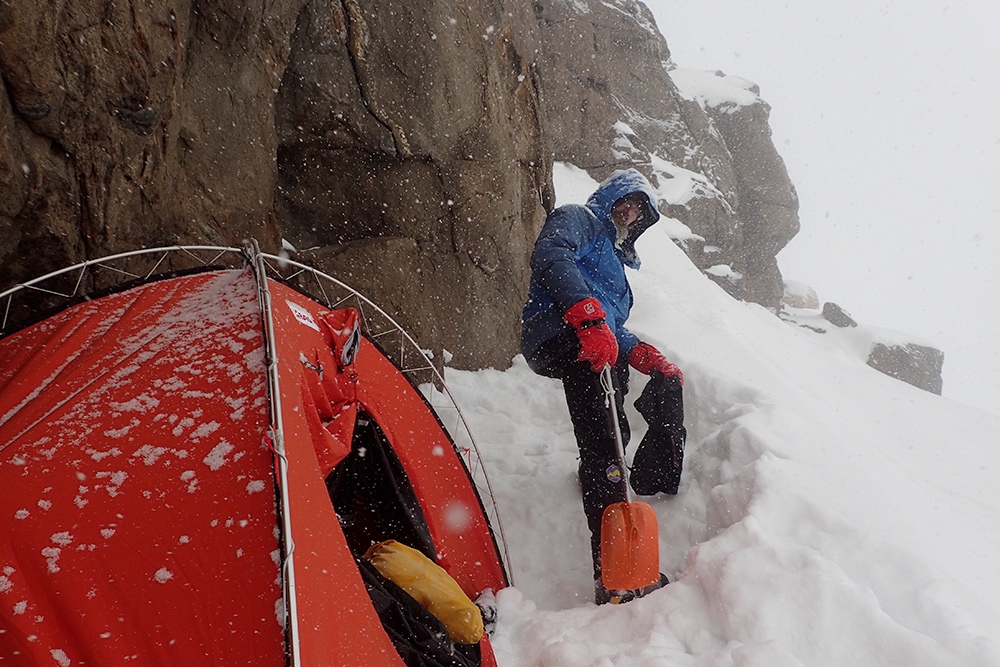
302, 315
345, 326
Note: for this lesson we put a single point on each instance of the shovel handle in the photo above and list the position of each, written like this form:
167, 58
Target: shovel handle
607, 382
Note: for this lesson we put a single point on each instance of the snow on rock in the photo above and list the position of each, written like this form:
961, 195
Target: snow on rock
678, 185
715, 89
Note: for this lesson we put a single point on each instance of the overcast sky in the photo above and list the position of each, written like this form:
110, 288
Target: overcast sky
887, 117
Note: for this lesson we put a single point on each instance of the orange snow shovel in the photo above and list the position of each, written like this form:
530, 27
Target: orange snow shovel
630, 546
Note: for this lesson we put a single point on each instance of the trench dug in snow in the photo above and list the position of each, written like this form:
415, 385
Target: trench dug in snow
527, 443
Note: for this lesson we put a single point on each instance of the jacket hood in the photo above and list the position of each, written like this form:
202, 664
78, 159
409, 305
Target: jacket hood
617, 185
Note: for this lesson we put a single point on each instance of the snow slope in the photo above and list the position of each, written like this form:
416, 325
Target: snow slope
828, 514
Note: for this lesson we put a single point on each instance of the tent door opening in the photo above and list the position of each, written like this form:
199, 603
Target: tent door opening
372, 495
374, 501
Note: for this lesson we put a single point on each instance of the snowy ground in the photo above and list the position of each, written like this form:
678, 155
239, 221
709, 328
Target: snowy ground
828, 515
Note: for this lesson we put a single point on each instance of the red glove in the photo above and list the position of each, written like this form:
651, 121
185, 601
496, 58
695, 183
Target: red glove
598, 345
645, 358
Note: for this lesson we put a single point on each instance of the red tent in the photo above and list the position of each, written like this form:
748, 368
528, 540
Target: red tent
190, 468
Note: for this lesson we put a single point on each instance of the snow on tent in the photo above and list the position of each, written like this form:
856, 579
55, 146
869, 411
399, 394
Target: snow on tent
193, 466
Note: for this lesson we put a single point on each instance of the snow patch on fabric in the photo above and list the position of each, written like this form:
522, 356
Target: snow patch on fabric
217, 457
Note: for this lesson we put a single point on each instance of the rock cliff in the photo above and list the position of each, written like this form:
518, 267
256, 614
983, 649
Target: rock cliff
411, 162
128, 124
405, 147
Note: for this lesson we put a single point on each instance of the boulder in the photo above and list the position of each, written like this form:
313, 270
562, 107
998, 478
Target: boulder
800, 295
919, 365
837, 316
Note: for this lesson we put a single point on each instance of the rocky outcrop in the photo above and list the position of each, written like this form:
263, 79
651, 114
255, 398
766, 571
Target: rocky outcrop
128, 124
404, 147
888, 352
919, 365
767, 203
411, 159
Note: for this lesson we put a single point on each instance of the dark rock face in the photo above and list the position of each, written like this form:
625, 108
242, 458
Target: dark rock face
914, 364
128, 124
411, 158
405, 148
837, 316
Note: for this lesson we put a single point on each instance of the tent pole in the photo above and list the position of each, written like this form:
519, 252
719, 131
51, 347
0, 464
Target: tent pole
278, 438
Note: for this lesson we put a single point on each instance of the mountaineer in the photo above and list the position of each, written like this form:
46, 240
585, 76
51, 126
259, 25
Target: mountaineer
573, 324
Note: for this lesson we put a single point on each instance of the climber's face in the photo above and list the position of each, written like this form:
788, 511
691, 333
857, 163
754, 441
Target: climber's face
626, 210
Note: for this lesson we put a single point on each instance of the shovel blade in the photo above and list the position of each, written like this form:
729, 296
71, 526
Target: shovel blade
630, 546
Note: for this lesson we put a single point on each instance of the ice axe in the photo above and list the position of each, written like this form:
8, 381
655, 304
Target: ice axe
630, 546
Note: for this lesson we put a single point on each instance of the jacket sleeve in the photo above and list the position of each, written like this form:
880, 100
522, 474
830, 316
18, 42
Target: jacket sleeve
626, 341
567, 234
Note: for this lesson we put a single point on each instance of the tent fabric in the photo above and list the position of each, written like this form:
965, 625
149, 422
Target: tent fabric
306, 351
140, 505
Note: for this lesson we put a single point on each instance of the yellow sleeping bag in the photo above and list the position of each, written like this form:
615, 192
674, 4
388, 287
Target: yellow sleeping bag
431, 586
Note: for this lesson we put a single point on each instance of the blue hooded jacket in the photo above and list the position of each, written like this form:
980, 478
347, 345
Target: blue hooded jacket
575, 257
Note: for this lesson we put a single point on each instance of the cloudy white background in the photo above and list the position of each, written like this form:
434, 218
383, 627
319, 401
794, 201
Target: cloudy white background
887, 117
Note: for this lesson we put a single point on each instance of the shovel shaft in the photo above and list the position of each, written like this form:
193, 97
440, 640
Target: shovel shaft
609, 397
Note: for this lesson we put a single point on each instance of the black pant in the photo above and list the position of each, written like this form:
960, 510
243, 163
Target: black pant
591, 417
